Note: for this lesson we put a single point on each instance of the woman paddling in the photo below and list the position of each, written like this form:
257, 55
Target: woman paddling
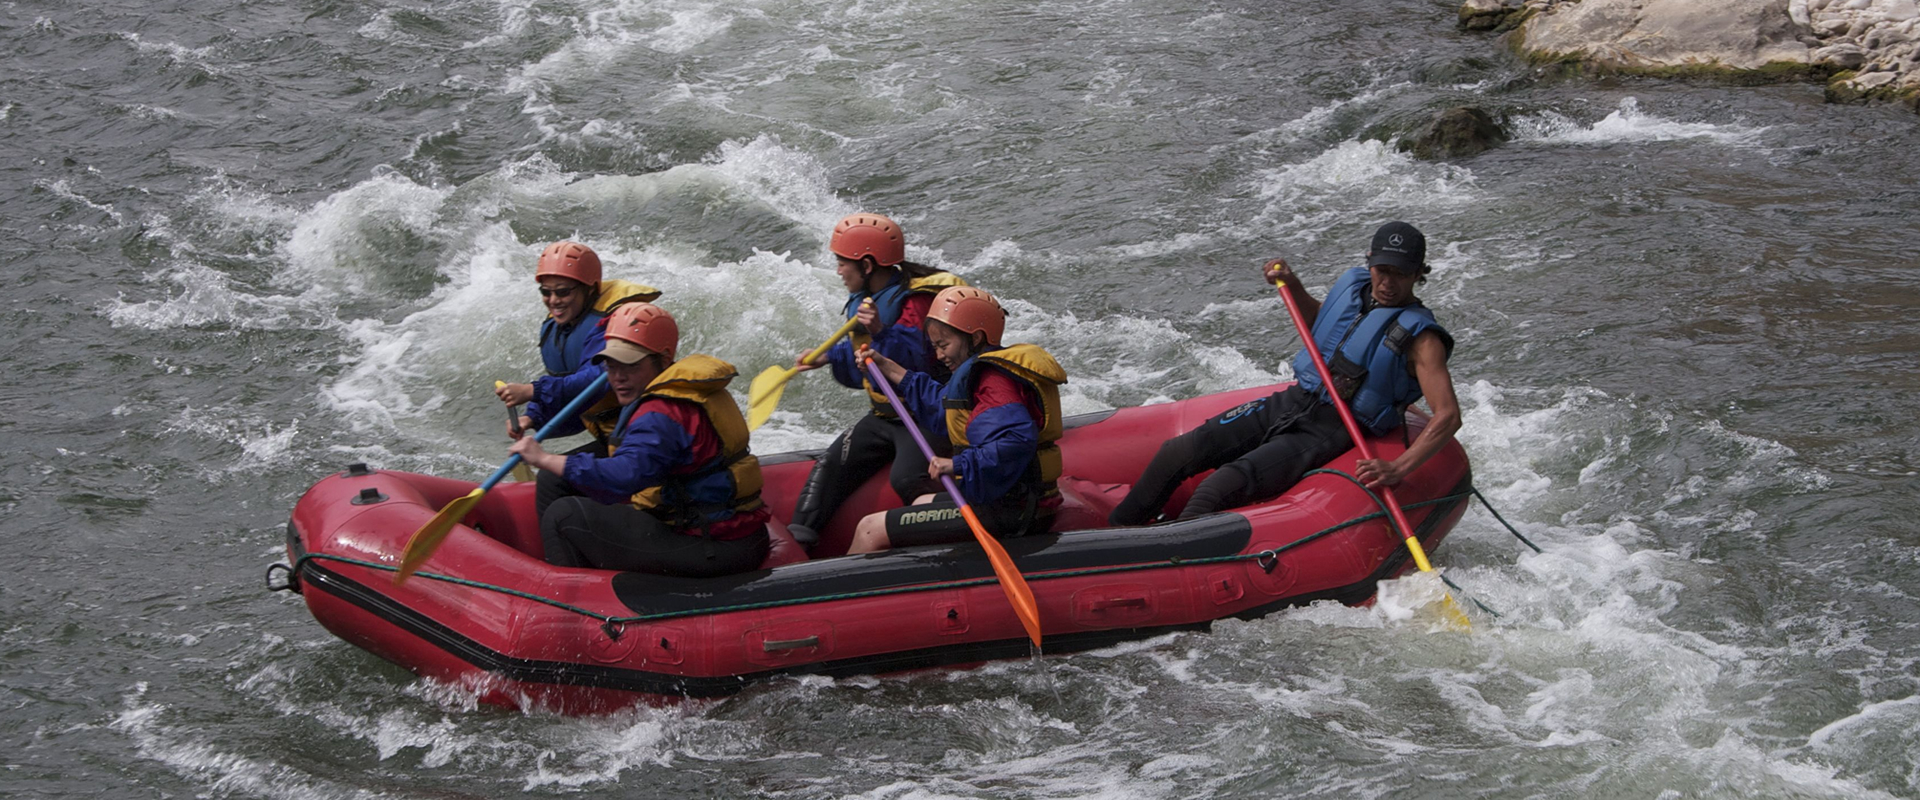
577, 302
889, 296
1001, 410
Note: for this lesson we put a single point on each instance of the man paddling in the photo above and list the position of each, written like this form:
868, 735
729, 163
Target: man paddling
1385, 351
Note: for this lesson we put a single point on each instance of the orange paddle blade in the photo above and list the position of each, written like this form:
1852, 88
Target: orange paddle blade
1015, 584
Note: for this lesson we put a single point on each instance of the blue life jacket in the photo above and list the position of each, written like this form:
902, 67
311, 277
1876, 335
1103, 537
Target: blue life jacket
887, 302
560, 348
1374, 338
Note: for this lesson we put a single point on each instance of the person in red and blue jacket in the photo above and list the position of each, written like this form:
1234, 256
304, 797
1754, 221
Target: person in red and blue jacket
1001, 411
678, 493
889, 296
573, 334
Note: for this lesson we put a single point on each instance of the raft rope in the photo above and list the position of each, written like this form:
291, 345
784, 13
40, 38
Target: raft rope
1267, 559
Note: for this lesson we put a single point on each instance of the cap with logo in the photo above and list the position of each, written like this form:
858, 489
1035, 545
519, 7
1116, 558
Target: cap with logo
1400, 246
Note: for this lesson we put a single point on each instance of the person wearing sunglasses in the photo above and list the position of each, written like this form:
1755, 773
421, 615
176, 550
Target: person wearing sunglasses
578, 302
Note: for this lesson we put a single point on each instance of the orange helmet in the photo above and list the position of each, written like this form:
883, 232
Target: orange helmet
570, 260
638, 330
970, 310
869, 235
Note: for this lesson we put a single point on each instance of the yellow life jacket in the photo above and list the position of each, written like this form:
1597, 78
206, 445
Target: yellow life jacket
601, 417
929, 283
724, 486
1038, 371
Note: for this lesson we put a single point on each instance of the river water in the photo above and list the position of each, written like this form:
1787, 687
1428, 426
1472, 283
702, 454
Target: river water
253, 242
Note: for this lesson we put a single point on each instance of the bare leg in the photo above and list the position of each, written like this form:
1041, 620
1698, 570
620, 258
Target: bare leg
870, 536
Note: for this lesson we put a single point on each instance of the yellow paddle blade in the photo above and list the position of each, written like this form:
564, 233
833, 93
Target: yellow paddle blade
1421, 595
1456, 619
764, 394
428, 538
1449, 610
1011, 581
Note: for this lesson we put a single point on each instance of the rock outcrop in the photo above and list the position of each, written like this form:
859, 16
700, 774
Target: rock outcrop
1454, 133
1869, 49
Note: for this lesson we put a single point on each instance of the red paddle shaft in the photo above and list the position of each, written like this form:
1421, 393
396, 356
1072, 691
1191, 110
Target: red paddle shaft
1353, 428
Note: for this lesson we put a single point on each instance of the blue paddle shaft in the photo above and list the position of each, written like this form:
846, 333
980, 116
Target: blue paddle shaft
579, 402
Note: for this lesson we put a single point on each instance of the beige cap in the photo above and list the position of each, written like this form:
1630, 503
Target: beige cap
623, 351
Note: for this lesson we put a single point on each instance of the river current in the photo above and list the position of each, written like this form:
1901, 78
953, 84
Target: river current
253, 242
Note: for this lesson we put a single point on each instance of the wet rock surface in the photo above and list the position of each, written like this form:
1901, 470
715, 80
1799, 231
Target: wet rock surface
1870, 48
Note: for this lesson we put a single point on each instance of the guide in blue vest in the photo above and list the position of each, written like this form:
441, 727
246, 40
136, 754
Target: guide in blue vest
1385, 351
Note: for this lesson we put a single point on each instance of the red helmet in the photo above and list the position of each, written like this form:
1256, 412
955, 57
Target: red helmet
869, 235
570, 260
970, 310
638, 330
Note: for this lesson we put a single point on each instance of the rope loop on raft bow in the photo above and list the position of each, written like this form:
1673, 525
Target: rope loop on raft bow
291, 583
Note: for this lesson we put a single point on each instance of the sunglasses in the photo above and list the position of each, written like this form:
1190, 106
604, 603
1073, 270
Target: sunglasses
562, 293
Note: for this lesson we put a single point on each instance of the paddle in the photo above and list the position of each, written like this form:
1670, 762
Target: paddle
428, 538
1398, 517
764, 393
1011, 580
521, 472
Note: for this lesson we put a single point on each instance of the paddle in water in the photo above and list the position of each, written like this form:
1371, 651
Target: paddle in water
764, 393
1455, 616
428, 538
1011, 581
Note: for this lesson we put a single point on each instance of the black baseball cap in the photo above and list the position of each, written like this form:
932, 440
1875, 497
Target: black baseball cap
1400, 246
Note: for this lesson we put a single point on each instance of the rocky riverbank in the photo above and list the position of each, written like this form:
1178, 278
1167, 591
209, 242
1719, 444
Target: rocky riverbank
1864, 49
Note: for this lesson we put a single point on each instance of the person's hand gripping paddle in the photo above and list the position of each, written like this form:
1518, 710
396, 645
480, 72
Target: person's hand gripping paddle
521, 472
764, 393
428, 538
1015, 584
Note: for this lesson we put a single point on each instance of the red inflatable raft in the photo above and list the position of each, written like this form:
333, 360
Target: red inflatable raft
487, 613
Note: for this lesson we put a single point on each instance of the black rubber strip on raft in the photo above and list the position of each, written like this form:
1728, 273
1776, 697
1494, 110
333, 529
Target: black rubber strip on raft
1211, 536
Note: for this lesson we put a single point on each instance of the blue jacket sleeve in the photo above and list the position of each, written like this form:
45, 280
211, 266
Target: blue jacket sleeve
554, 392
654, 444
906, 346
1003, 439
921, 394
845, 372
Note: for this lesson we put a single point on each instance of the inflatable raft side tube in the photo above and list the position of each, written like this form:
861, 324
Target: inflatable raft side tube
534, 671
1440, 518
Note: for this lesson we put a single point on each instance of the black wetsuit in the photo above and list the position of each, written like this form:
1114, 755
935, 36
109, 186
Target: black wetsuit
864, 449
1260, 449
